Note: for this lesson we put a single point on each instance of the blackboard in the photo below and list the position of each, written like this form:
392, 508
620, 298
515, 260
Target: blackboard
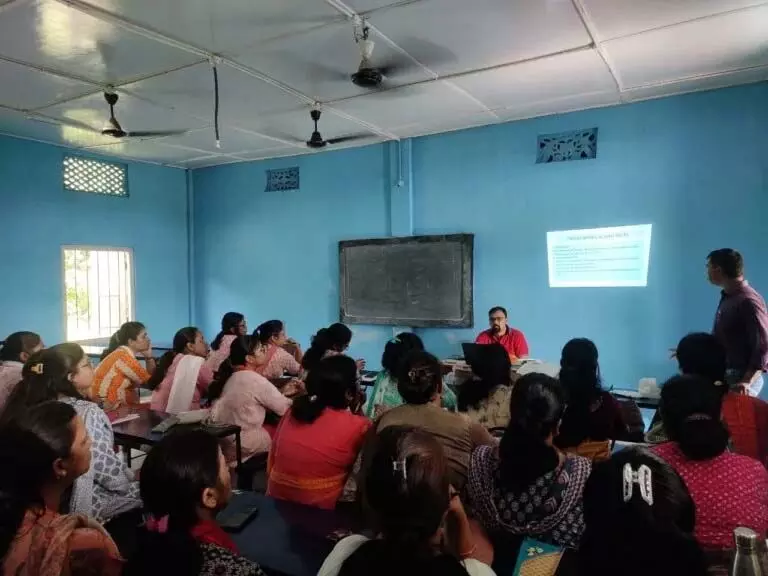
419, 281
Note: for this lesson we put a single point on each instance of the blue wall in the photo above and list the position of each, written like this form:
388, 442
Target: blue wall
275, 254
694, 166
37, 217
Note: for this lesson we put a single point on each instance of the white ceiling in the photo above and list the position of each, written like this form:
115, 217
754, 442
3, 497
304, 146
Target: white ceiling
460, 63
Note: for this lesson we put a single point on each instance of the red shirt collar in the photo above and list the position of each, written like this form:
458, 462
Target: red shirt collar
210, 532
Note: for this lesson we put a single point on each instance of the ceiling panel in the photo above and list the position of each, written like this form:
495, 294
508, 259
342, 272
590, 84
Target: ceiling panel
319, 63
17, 124
708, 83
435, 101
445, 125
26, 89
233, 141
273, 153
148, 150
559, 105
224, 26
458, 35
132, 113
49, 34
545, 79
727, 42
615, 18
362, 6
204, 161
240, 96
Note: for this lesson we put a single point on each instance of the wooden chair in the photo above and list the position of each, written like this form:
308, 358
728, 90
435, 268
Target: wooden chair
597, 451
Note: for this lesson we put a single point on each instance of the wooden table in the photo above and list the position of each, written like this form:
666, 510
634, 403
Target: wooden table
138, 432
286, 538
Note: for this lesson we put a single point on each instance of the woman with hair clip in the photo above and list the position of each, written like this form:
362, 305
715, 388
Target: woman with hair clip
318, 440
46, 450
420, 383
279, 361
385, 395
184, 483
119, 374
640, 519
407, 493
181, 377
233, 325
14, 352
486, 401
107, 491
593, 415
729, 490
526, 487
330, 341
242, 396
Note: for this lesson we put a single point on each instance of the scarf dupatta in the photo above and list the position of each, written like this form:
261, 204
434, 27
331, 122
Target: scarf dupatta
50, 543
184, 384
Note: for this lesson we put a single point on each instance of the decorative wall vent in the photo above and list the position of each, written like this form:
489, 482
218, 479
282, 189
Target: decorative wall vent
573, 145
282, 179
86, 175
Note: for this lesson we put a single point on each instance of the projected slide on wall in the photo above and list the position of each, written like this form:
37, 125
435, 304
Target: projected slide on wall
599, 257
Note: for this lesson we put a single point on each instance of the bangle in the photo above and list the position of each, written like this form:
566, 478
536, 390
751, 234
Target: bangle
467, 554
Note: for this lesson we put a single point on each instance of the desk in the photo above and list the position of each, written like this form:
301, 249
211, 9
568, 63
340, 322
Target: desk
649, 402
138, 432
286, 538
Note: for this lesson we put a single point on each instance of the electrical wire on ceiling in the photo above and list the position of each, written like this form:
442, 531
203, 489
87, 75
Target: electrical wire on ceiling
215, 101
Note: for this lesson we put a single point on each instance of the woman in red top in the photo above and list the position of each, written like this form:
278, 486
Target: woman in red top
317, 442
729, 490
184, 483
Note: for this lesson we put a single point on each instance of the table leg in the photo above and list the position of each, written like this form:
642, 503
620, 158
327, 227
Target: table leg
238, 452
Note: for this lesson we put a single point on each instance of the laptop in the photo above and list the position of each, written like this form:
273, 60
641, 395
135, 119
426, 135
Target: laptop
472, 352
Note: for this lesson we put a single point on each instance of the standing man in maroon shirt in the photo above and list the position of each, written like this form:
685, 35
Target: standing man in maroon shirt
741, 321
512, 340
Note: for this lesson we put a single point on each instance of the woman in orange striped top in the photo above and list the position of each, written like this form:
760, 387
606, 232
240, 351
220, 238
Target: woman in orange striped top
119, 374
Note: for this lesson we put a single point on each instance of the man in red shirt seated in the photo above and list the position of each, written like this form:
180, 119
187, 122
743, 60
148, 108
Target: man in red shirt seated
499, 333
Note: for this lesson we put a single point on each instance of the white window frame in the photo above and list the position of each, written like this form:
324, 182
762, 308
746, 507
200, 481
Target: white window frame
97, 248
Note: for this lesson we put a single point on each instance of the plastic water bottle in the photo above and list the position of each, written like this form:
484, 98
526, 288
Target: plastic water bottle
747, 559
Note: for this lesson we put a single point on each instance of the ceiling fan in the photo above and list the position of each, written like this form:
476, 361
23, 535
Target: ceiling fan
114, 129
317, 141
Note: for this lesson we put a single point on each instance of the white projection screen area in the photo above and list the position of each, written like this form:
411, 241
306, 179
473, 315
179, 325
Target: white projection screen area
599, 257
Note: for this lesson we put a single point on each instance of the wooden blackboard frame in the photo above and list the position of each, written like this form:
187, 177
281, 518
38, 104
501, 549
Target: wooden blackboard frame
467, 308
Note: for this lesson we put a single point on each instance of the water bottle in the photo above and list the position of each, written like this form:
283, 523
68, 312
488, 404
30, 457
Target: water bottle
747, 559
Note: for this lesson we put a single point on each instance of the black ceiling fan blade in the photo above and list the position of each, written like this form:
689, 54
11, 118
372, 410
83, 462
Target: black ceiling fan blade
155, 133
68, 122
349, 138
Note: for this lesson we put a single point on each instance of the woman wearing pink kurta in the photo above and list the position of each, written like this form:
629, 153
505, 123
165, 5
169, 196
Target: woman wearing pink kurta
16, 350
279, 362
182, 377
233, 324
243, 397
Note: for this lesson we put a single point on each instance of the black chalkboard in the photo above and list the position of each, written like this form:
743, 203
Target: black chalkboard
419, 281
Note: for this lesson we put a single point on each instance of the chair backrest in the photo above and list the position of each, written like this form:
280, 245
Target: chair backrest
597, 451
633, 418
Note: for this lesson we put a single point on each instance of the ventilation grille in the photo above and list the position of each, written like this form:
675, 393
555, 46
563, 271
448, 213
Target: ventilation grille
574, 145
85, 175
283, 179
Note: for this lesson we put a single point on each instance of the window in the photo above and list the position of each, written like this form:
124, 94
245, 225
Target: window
86, 175
98, 290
